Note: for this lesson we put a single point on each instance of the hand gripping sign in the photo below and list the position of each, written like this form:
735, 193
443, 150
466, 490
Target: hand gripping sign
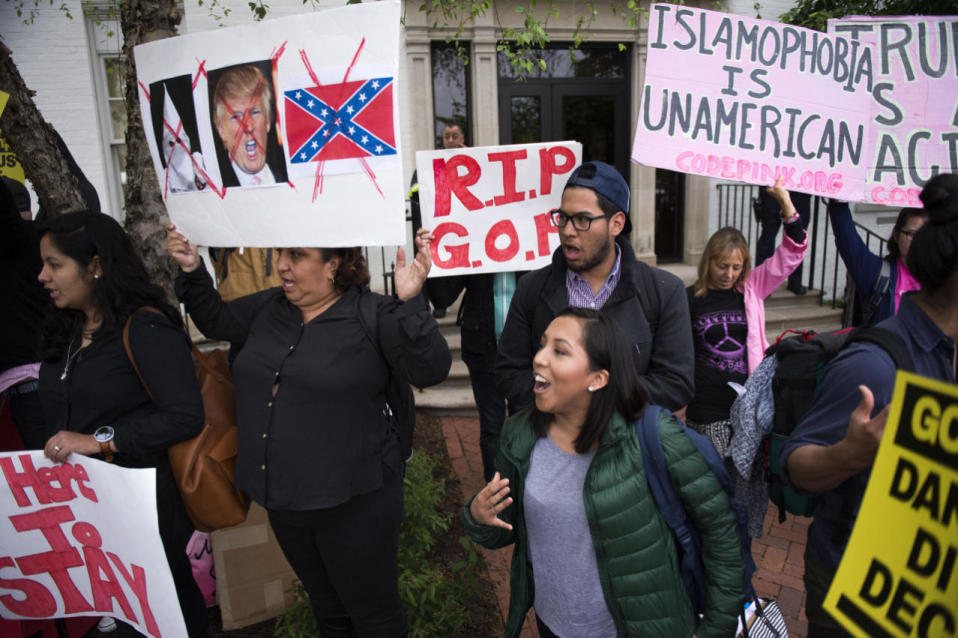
899, 572
280, 133
488, 207
82, 539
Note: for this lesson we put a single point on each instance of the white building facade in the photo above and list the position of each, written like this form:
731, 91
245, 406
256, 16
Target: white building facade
74, 66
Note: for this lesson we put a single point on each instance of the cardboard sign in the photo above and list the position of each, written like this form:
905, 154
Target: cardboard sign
488, 207
82, 539
280, 133
737, 98
914, 126
899, 573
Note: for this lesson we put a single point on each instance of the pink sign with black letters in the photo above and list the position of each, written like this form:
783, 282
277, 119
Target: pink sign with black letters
914, 124
752, 100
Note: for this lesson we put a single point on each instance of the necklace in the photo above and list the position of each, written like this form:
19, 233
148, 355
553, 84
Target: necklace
70, 358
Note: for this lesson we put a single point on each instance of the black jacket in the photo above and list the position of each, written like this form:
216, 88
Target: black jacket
662, 352
25, 299
476, 316
101, 387
323, 437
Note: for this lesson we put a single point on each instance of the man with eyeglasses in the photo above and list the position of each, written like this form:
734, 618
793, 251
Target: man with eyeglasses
595, 267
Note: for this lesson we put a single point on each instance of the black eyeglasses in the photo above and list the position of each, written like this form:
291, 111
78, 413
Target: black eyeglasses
580, 221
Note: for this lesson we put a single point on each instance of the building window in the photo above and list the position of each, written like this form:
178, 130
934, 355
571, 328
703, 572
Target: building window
114, 69
450, 89
109, 77
594, 61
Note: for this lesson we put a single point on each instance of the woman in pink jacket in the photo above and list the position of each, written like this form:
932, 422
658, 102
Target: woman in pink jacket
727, 307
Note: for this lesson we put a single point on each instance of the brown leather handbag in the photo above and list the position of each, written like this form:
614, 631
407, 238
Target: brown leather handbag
204, 465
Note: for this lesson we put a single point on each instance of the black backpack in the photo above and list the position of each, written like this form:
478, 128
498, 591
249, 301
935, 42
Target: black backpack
796, 383
400, 406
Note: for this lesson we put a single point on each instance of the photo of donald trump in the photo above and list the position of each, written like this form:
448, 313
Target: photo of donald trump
243, 116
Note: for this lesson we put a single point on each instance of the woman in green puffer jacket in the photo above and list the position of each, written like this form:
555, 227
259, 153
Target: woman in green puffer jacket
592, 554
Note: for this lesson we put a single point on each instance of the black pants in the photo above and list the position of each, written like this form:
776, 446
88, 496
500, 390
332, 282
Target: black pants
818, 578
772, 220
345, 556
492, 414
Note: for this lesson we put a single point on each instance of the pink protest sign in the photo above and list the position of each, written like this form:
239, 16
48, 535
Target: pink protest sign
750, 100
488, 207
914, 128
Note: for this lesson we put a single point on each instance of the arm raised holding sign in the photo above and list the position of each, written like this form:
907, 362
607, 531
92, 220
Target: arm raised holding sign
324, 350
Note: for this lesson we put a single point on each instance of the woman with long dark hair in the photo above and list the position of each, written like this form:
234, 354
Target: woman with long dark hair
879, 281
94, 402
592, 554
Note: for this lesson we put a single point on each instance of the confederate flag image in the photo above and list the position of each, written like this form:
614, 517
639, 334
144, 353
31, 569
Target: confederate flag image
353, 119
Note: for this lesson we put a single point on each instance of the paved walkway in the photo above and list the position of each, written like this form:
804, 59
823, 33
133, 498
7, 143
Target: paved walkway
778, 553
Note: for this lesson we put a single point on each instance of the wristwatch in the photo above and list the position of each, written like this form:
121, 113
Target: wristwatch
103, 436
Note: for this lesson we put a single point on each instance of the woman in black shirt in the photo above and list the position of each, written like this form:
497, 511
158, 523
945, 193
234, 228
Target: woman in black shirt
727, 308
316, 448
92, 397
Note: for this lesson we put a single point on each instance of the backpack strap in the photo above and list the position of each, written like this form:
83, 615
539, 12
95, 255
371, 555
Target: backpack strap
368, 312
202, 358
879, 291
656, 471
887, 341
663, 493
129, 349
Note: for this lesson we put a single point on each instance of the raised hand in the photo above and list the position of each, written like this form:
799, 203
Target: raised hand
409, 279
491, 500
864, 432
780, 193
181, 249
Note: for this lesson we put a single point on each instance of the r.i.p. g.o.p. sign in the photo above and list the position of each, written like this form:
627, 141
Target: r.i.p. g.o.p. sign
82, 539
488, 207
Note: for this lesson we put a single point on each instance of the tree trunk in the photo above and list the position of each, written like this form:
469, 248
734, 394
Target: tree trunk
145, 21
32, 139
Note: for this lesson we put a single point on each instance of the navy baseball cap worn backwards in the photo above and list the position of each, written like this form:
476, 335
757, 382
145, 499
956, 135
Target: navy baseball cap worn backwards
605, 180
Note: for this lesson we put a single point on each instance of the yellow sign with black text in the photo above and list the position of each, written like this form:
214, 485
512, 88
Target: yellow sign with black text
9, 166
899, 573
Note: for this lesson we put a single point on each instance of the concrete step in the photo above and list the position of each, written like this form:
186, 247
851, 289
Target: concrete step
784, 297
450, 398
799, 317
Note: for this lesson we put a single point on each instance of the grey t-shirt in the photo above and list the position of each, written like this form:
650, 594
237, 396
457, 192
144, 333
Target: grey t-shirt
568, 595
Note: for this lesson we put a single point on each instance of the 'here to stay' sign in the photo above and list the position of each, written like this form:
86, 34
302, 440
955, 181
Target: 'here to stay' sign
81, 539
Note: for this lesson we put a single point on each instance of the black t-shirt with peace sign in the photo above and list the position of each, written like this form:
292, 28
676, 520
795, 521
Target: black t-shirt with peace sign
718, 332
